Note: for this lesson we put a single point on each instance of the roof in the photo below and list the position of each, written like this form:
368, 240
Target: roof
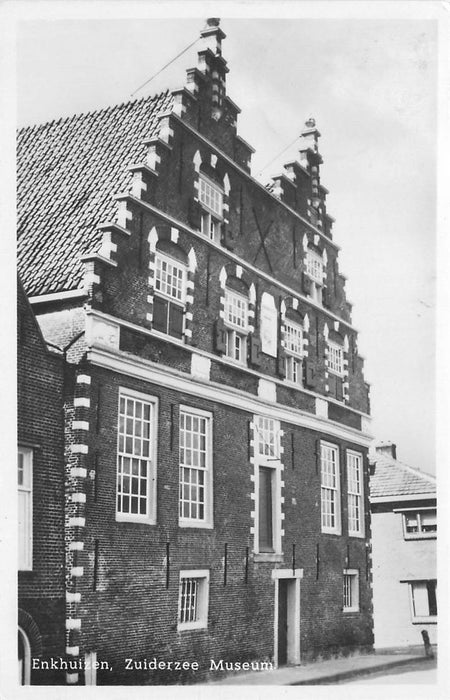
68, 172
394, 478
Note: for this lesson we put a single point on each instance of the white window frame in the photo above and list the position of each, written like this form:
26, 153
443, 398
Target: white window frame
335, 490
353, 577
417, 618
201, 621
313, 260
294, 356
207, 520
25, 493
268, 458
150, 516
335, 364
212, 217
358, 495
236, 330
420, 535
177, 264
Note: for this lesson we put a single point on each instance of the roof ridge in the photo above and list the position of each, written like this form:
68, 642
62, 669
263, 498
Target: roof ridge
95, 112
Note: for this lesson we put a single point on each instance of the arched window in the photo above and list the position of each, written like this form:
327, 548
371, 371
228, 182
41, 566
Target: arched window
24, 657
169, 300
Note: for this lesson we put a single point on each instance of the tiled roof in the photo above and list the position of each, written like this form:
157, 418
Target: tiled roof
68, 172
393, 478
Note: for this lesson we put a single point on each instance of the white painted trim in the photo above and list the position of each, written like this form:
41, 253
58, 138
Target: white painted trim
27, 657
222, 359
58, 296
203, 602
293, 650
212, 391
208, 521
227, 253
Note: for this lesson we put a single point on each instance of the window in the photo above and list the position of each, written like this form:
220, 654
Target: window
211, 197
420, 524
169, 297
355, 493
314, 269
236, 322
25, 507
195, 499
294, 351
351, 590
193, 599
268, 487
330, 489
335, 358
423, 600
136, 458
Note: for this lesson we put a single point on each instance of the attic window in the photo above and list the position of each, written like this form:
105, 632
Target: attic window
170, 295
211, 198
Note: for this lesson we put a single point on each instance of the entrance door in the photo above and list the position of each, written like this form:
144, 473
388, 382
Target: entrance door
283, 585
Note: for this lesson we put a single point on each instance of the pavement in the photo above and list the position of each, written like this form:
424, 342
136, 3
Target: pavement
330, 671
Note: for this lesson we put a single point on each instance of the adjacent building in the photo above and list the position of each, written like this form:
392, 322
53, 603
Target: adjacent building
216, 417
404, 531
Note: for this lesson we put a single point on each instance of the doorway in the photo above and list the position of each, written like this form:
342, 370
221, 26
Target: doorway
287, 616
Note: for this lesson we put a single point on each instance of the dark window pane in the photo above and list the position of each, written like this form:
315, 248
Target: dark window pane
265, 510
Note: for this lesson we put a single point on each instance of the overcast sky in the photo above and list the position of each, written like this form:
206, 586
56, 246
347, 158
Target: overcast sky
371, 86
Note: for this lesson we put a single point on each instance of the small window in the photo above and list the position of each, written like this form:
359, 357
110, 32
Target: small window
268, 435
136, 459
330, 489
423, 600
25, 507
420, 524
265, 509
314, 269
236, 322
351, 590
169, 297
267, 446
355, 494
195, 500
193, 600
294, 351
211, 197
335, 358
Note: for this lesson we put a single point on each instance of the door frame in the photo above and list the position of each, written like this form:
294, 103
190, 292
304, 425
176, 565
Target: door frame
293, 612
26, 668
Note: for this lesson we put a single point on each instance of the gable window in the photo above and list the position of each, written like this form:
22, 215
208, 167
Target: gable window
314, 270
136, 457
25, 507
211, 198
423, 600
294, 351
195, 489
420, 524
355, 493
351, 591
330, 488
268, 487
335, 358
193, 599
236, 326
170, 295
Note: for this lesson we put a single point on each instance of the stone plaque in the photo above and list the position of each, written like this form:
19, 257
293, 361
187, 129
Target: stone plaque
269, 325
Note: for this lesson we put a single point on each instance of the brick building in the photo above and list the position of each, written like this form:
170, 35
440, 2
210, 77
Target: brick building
41, 590
404, 530
216, 413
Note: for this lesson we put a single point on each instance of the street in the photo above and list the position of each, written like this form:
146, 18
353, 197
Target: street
419, 672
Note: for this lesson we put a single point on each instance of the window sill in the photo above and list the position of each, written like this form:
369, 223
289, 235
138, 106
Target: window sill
432, 620
421, 536
351, 611
186, 626
336, 533
165, 336
195, 524
136, 520
261, 557
359, 535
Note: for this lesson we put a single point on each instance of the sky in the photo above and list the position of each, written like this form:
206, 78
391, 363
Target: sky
371, 85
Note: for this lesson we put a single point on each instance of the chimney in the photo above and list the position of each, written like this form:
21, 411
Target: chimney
387, 448
212, 36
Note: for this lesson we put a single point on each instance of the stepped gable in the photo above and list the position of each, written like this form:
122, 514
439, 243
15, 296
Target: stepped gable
394, 478
68, 172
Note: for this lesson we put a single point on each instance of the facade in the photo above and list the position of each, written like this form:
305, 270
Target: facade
40, 478
216, 413
404, 530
